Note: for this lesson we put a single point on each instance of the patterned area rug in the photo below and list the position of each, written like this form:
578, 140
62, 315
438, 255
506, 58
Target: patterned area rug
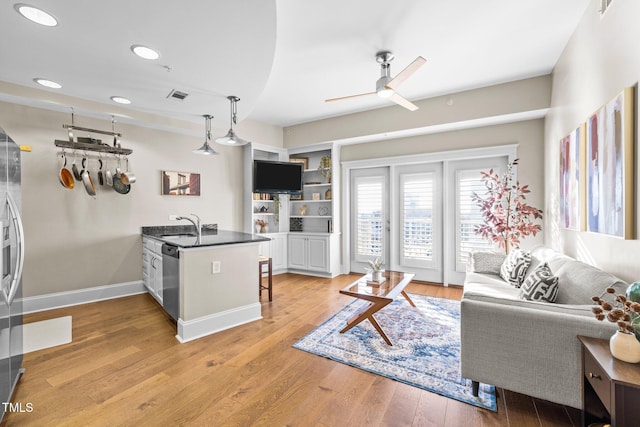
425, 351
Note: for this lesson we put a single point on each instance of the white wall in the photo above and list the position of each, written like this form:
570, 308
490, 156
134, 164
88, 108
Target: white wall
74, 241
601, 58
468, 107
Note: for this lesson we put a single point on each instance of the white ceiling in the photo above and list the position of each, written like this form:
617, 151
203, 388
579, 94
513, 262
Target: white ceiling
281, 57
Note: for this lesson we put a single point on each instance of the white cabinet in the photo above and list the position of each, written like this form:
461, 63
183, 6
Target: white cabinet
152, 267
276, 249
279, 251
309, 252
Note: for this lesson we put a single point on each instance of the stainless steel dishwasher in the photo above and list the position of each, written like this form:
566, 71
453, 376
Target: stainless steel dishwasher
171, 280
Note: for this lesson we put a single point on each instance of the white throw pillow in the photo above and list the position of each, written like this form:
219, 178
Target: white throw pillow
514, 267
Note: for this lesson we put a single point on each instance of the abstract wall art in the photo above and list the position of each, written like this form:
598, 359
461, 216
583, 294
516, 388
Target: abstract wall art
572, 180
610, 167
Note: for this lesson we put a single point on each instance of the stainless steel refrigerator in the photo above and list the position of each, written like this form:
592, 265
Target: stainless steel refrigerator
11, 264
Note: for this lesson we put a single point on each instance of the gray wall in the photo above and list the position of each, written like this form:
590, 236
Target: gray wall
599, 61
74, 241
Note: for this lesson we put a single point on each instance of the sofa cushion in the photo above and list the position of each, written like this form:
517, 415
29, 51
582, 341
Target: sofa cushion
540, 285
514, 268
577, 281
486, 262
492, 289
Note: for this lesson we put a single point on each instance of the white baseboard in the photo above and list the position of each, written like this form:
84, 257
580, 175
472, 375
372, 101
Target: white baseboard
81, 296
193, 329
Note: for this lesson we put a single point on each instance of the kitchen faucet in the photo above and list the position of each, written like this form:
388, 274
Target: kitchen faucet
196, 223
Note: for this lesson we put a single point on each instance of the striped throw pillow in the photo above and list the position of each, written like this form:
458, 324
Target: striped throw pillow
514, 268
541, 285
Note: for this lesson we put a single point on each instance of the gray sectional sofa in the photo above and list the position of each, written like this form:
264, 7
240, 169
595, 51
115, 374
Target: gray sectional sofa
531, 347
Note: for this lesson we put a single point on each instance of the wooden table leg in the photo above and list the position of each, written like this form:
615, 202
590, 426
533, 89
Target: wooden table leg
404, 294
367, 313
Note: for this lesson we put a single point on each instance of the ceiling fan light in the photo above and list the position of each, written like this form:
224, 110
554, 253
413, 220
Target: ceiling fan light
384, 92
36, 15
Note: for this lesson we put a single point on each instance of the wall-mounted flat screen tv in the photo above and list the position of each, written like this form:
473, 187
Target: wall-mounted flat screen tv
277, 177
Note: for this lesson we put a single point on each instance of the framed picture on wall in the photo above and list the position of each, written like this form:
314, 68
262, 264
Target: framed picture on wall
180, 183
572, 183
610, 167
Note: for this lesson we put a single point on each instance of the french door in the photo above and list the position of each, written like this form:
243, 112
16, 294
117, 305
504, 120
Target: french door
407, 197
416, 231
369, 217
463, 178
418, 218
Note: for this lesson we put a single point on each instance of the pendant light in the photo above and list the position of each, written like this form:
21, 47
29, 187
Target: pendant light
231, 138
206, 149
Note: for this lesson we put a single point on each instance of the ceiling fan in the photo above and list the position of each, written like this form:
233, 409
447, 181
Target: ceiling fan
386, 85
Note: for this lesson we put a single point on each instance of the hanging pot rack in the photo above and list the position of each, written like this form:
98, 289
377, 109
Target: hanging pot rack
93, 146
88, 146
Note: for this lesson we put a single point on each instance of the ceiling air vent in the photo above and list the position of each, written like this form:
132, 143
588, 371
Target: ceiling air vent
176, 94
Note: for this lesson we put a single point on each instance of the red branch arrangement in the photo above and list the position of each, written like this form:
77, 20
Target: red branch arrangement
507, 217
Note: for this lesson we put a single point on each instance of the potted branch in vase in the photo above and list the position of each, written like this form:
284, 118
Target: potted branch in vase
626, 315
375, 269
506, 216
261, 226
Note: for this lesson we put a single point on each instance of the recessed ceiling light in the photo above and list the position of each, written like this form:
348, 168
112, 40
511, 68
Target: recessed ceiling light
36, 15
120, 100
145, 52
48, 83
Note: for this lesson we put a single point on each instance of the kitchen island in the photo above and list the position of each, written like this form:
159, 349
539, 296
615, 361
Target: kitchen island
212, 284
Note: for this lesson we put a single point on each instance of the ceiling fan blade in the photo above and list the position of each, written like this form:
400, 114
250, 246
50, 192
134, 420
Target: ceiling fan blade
361, 95
406, 73
403, 102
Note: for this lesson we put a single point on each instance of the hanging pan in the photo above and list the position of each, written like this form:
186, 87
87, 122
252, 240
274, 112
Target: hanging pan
118, 184
100, 175
76, 172
86, 179
65, 176
108, 177
127, 177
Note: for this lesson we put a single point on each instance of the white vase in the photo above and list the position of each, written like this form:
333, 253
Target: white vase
376, 276
625, 347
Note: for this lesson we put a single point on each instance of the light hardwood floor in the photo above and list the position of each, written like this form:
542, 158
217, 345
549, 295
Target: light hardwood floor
125, 367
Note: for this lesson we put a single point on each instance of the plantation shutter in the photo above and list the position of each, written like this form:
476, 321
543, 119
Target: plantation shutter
369, 217
416, 211
468, 215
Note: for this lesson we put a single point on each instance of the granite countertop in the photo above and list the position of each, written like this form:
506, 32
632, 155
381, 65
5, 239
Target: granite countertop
184, 236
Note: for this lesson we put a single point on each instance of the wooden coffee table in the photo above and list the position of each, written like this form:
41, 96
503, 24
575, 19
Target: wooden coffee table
378, 297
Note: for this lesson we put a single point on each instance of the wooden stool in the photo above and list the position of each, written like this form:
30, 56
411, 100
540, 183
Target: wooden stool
262, 261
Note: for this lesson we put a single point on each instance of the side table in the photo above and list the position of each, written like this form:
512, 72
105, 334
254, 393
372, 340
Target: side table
610, 387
